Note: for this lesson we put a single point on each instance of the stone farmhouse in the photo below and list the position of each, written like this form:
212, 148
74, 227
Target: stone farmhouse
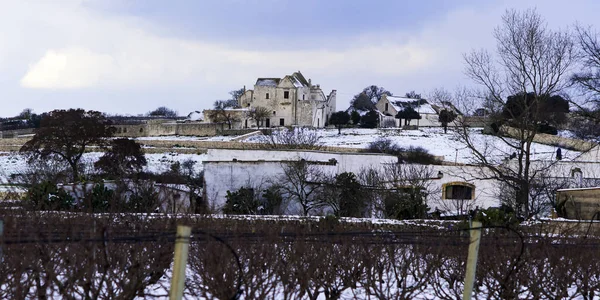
452, 189
293, 101
389, 106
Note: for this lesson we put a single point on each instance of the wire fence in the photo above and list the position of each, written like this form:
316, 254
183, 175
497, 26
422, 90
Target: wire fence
129, 257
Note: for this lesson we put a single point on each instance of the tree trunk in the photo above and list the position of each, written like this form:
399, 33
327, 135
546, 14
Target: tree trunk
339, 130
75, 171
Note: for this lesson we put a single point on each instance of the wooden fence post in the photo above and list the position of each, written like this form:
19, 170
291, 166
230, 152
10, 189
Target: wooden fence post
472, 259
1, 238
182, 243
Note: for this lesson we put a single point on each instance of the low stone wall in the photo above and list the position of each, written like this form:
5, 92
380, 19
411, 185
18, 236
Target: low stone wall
131, 130
197, 129
473, 121
162, 129
203, 145
553, 140
9, 134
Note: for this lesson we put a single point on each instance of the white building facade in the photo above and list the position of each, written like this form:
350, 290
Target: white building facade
453, 189
391, 105
449, 188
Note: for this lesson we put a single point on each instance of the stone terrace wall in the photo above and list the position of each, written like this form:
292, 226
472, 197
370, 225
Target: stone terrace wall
197, 129
161, 129
8, 134
553, 140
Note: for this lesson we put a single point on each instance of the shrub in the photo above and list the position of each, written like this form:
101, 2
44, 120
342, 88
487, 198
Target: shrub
99, 200
144, 199
548, 129
355, 117
405, 204
45, 196
384, 145
241, 202
497, 216
351, 199
272, 200
417, 155
370, 120
293, 138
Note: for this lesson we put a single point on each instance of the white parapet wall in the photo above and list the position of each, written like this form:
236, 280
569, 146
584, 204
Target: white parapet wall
229, 170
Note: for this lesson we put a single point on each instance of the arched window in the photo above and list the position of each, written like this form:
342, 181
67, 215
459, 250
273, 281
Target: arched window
577, 175
458, 191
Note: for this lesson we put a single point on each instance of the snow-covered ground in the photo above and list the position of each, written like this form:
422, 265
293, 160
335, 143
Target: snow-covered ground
13, 163
432, 139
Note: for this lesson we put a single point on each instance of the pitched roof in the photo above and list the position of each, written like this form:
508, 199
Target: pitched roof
420, 105
300, 78
296, 78
268, 81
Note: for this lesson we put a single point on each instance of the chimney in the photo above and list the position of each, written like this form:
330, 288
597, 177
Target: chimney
244, 88
309, 82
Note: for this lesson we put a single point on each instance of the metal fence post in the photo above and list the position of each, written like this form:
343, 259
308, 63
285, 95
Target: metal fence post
182, 242
472, 259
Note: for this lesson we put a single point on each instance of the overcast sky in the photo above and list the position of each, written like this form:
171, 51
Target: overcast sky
131, 56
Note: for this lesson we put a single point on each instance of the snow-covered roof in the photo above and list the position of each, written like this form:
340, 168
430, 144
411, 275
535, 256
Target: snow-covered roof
195, 116
296, 78
299, 80
267, 81
296, 82
578, 189
420, 105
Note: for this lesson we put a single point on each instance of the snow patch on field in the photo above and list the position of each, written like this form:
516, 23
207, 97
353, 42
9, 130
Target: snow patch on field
434, 140
15, 163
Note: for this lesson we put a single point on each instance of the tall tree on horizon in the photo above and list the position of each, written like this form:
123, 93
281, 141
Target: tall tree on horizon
529, 58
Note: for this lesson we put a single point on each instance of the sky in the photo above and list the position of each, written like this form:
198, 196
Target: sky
131, 56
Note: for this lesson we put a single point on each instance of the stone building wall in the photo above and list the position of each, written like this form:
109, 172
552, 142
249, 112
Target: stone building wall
162, 129
579, 204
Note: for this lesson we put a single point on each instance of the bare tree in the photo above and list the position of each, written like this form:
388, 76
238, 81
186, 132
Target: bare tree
408, 187
301, 183
530, 59
259, 114
587, 80
222, 113
296, 138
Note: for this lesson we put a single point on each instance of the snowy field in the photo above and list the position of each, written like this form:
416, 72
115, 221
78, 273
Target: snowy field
432, 139
13, 163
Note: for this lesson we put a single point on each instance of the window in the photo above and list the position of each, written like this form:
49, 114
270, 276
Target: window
386, 106
303, 96
458, 191
267, 96
141, 129
125, 130
274, 112
281, 122
286, 95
